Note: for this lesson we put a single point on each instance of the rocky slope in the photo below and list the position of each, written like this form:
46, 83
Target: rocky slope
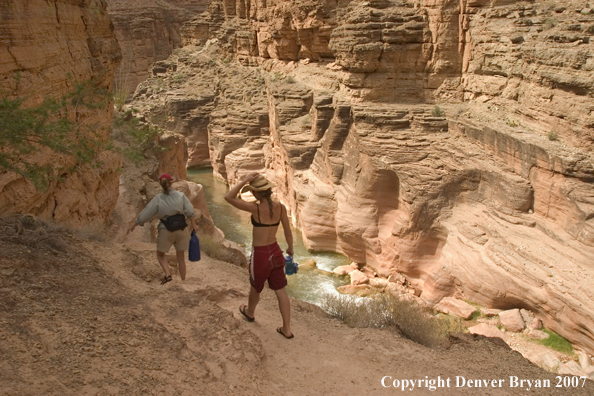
47, 49
81, 316
487, 197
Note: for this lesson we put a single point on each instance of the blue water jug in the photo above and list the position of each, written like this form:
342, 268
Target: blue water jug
290, 266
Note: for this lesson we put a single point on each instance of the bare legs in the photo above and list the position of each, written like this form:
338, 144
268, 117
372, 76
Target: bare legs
163, 262
284, 305
181, 263
253, 300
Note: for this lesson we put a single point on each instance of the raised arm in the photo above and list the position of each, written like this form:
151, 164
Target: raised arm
287, 230
239, 203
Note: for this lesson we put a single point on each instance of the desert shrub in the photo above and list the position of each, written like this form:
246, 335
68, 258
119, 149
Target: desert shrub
178, 78
383, 311
512, 123
119, 98
290, 80
53, 125
549, 23
553, 135
140, 137
437, 112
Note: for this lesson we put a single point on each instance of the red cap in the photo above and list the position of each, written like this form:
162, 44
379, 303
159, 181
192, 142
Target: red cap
165, 176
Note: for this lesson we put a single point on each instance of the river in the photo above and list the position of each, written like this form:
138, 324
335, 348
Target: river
308, 284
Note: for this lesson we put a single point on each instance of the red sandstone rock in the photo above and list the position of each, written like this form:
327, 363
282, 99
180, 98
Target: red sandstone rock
343, 270
51, 46
479, 200
487, 330
457, 307
490, 312
358, 278
536, 324
512, 320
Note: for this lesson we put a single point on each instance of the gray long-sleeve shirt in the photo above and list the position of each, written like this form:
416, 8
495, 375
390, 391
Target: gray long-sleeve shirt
164, 205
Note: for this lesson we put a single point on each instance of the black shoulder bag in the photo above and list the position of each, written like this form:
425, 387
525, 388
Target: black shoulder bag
175, 222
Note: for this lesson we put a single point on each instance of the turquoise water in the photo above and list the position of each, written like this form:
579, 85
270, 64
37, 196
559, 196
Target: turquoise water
309, 284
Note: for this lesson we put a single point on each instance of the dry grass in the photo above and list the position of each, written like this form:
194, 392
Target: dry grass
385, 311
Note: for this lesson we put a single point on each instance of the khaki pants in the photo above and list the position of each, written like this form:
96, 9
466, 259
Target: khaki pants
180, 239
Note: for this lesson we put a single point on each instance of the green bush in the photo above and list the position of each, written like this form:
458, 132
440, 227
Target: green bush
50, 125
178, 78
553, 135
119, 98
385, 311
512, 123
140, 138
437, 112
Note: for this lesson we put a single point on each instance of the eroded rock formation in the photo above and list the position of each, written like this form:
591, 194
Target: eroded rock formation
488, 197
38, 60
148, 31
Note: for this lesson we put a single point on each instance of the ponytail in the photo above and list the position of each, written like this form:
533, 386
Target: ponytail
165, 183
268, 195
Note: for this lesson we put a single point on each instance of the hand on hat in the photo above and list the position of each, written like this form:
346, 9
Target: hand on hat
251, 177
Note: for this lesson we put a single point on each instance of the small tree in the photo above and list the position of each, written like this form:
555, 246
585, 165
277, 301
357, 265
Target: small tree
140, 137
24, 130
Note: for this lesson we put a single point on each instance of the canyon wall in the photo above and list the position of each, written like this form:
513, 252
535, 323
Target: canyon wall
47, 49
488, 196
148, 32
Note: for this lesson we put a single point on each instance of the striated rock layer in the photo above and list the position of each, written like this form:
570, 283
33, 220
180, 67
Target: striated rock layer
488, 197
50, 46
148, 31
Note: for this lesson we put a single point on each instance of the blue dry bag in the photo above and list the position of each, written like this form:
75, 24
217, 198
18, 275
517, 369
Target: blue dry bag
194, 250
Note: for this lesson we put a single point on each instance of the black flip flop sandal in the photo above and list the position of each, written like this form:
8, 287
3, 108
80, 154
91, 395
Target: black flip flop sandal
245, 315
280, 331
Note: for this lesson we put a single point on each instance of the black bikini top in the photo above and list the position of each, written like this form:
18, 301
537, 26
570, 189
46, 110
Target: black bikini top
256, 224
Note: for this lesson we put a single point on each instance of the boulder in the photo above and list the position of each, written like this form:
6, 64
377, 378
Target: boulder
536, 324
548, 361
487, 330
512, 320
456, 307
378, 282
358, 278
571, 368
527, 316
397, 277
358, 290
489, 312
343, 270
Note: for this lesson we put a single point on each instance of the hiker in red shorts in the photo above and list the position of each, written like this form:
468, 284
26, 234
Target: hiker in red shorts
267, 261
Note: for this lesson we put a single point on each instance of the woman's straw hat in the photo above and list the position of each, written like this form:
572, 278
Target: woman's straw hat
258, 184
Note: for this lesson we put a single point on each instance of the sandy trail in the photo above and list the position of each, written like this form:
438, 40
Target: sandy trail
90, 318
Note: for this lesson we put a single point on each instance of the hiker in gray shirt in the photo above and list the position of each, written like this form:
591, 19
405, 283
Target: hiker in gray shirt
171, 207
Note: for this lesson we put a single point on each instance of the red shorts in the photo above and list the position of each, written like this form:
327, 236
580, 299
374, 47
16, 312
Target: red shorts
267, 263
